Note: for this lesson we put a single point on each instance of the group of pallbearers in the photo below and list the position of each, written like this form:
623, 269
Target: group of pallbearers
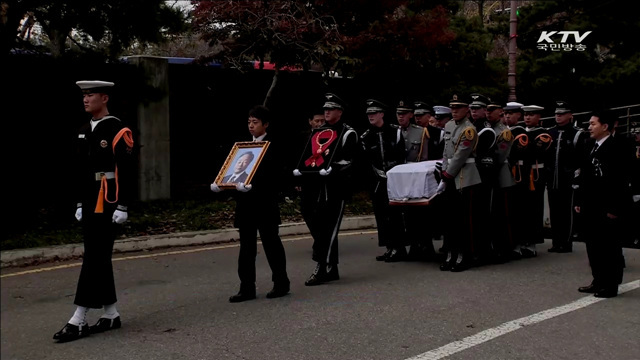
497, 162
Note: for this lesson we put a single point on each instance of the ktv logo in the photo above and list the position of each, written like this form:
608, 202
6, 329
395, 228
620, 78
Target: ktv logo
545, 42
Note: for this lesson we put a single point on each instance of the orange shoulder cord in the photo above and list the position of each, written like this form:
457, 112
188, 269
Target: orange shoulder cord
425, 133
523, 140
545, 138
126, 134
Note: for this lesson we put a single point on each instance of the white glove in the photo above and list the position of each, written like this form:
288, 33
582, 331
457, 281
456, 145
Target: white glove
324, 172
441, 187
296, 172
242, 187
79, 213
636, 198
119, 216
215, 188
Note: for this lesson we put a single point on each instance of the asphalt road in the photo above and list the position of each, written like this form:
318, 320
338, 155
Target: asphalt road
174, 306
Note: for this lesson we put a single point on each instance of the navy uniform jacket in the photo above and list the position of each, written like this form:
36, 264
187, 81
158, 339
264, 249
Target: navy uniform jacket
259, 206
564, 155
96, 154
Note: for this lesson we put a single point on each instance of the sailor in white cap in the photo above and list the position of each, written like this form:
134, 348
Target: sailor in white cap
534, 176
513, 113
106, 172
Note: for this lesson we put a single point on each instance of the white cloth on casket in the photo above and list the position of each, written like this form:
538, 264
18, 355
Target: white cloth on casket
412, 181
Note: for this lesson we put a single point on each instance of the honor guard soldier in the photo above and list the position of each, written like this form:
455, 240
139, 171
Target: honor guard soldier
484, 163
323, 194
513, 114
534, 173
383, 148
501, 199
561, 164
460, 179
421, 144
105, 186
442, 114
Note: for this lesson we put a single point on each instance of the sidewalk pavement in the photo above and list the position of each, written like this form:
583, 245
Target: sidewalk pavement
32, 256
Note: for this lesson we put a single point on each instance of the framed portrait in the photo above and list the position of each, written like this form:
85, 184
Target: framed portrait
320, 150
241, 164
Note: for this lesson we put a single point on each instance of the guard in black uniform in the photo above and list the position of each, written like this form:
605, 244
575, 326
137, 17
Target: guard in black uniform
383, 148
561, 164
105, 187
324, 192
482, 251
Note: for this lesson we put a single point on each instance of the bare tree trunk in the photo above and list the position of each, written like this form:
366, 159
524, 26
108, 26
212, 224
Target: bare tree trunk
57, 39
274, 82
481, 9
513, 28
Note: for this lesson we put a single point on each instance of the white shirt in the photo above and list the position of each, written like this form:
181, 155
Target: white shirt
259, 138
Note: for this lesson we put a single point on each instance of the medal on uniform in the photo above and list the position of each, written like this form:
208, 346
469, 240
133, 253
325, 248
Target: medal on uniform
320, 142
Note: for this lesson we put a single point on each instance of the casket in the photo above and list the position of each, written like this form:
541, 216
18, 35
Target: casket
413, 183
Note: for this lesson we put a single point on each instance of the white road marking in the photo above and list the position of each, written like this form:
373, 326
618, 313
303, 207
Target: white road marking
490, 334
175, 252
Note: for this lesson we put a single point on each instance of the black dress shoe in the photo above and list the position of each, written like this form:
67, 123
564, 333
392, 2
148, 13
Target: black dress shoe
446, 266
278, 291
606, 293
590, 289
105, 324
460, 266
319, 276
384, 256
564, 249
397, 255
242, 296
528, 253
553, 249
71, 332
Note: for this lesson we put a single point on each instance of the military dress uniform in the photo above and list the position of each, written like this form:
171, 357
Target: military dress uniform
324, 194
105, 183
534, 173
461, 176
421, 144
501, 201
383, 148
561, 164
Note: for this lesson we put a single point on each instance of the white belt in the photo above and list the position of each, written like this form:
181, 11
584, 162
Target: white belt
108, 175
520, 162
538, 166
470, 161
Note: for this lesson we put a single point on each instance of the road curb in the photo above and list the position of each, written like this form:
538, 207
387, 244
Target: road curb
12, 258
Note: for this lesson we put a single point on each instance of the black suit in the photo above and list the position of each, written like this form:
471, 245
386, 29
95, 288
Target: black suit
257, 211
603, 188
240, 179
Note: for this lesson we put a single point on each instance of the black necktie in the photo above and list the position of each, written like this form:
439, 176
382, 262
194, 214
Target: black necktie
595, 148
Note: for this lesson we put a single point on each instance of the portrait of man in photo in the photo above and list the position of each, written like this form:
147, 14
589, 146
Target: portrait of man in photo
239, 173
